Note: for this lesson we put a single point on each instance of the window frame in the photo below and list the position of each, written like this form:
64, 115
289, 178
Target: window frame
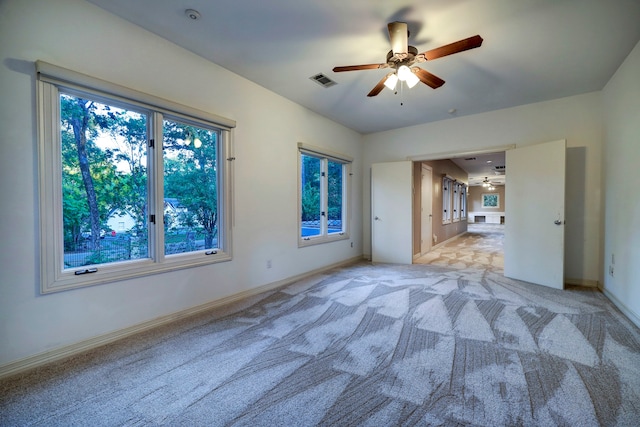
50, 82
447, 198
325, 156
463, 201
456, 201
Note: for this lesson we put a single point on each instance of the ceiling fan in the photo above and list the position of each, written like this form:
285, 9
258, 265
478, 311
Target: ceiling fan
402, 57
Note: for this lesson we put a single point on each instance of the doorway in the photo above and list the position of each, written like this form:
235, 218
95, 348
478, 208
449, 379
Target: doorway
433, 222
426, 209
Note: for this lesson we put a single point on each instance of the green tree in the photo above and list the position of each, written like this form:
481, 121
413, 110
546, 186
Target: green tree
77, 117
129, 134
310, 170
191, 176
96, 181
334, 193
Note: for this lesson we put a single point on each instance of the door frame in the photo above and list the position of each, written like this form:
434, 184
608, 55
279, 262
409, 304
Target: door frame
461, 153
426, 219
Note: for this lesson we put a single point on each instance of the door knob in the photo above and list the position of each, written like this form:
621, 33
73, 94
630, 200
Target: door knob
557, 222
377, 219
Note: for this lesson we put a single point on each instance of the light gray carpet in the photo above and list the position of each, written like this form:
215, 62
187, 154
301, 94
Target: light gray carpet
370, 345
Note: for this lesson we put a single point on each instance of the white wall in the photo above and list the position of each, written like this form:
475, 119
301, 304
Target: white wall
79, 36
621, 98
577, 119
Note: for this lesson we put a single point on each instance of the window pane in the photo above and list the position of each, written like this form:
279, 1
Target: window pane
104, 182
310, 185
334, 224
191, 187
446, 200
456, 201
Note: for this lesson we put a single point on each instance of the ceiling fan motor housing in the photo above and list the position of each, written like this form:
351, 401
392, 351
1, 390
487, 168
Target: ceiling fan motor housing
399, 59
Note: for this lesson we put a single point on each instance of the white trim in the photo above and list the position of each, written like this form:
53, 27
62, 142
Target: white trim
455, 154
55, 75
319, 151
449, 240
63, 352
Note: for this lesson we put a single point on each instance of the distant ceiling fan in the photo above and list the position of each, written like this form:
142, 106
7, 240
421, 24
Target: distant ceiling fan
402, 57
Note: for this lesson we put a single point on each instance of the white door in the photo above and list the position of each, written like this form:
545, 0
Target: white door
427, 210
534, 214
391, 201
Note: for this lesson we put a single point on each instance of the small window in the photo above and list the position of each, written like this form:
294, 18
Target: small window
130, 184
447, 199
463, 201
323, 196
456, 201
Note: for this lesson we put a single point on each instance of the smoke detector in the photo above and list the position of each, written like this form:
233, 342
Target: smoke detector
192, 14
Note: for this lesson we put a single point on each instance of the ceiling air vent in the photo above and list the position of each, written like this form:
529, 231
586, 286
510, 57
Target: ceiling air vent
499, 170
323, 80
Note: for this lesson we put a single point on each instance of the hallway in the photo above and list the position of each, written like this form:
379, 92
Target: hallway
481, 247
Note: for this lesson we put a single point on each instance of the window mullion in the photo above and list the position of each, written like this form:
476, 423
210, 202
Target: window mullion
324, 197
155, 187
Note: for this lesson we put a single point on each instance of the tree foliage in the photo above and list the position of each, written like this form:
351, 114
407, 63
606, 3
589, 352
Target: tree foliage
311, 176
191, 176
104, 171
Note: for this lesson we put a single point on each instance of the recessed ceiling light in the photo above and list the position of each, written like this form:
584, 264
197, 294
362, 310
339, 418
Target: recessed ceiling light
192, 14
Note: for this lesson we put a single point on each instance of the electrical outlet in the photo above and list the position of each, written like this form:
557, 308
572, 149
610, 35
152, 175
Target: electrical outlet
269, 263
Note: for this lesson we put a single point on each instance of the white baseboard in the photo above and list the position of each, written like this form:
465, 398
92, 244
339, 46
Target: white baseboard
449, 240
63, 352
633, 317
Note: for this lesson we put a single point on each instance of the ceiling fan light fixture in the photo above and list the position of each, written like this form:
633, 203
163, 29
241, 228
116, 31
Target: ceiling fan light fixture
403, 72
392, 80
411, 79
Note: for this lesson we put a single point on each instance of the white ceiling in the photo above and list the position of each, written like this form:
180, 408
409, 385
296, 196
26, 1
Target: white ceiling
489, 166
533, 50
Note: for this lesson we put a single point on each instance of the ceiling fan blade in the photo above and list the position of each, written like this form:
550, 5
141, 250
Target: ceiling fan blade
399, 37
359, 67
376, 90
455, 47
428, 78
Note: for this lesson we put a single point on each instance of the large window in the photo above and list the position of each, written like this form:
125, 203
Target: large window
130, 184
323, 196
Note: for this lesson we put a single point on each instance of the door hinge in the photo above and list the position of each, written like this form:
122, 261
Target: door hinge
152, 219
152, 143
